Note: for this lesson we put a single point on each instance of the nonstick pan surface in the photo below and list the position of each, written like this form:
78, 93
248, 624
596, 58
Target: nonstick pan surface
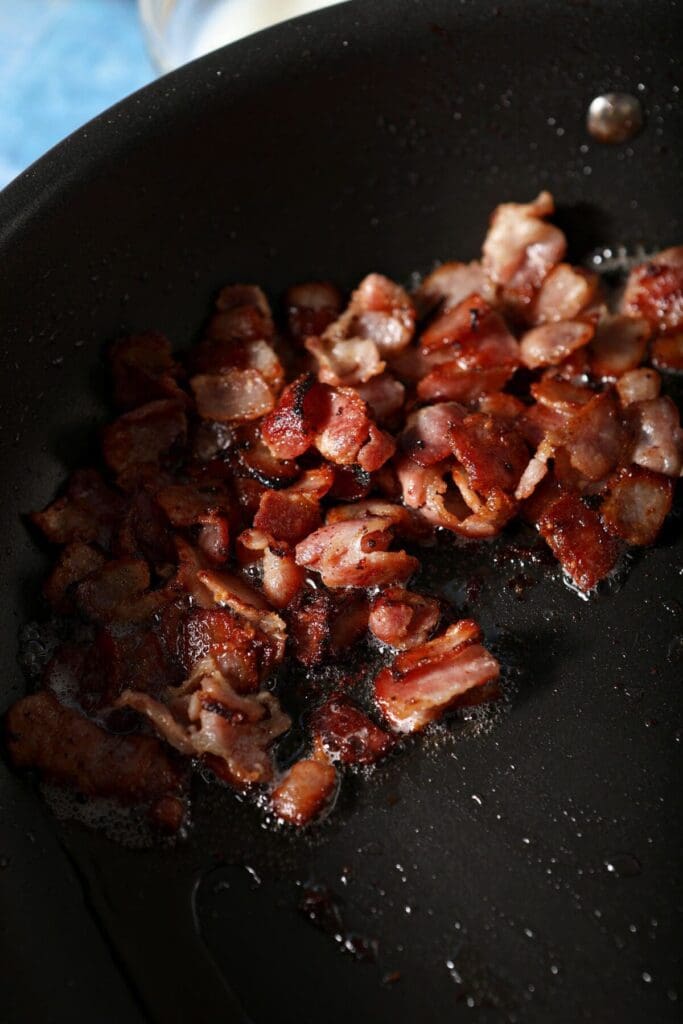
529, 873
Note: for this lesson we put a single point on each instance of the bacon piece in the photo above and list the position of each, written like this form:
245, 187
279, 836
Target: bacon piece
658, 438
143, 369
287, 515
654, 290
144, 532
384, 396
552, 343
70, 750
426, 437
242, 314
346, 361
639, 385
232, 396
86, 511
343, 429
449, 382
492, 453
667, 353
594, 437
403, 619
450, 283
566, 292
560, 395
309, 620
76, 561
476, 336
290, 429
535, 472
281, 577
219, 356
403, 522
637, 504
315, 483
503, 406
149, 434
256, 460
311, 308
230, 591
306, 788
348, 622
423, 683
618, 346
188, 505
378, 449
521, 248
579, 541
346, 733
134, 659
354, 553
236, 646
351, 483
118, 592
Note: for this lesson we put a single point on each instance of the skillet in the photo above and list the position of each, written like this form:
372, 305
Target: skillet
530, 873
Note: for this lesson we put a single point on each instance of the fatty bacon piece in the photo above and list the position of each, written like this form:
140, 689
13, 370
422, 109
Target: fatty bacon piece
304, 791
333, 420
451, 283
143, 369
654, 290
311, 308
423, 683
206, 717
521, 248
379, 322
637, 504
578, 539
566, 293
68, 749
403, 619
355, 553
657, 435
666, 352
281, 578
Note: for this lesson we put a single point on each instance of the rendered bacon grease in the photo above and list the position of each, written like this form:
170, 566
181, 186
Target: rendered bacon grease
262, 504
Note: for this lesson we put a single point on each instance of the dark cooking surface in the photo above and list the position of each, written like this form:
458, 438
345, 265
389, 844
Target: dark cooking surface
374, 137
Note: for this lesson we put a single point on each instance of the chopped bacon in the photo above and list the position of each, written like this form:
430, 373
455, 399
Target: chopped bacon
242, 314
349, 621
305, 790
595, 437
344, 428
351, 483
230, 591
235, 645
219, 356
449, 382
281, 577
658, 438
309, 621
618, 346
404, 522
423, 683
119, 592
637, 504
144, 370
70, 750
403, 619
492, 453
76, 561
287, 515
639, 385
552, 343
450, 283
232, 396
579, 541
149, 434
311, 308
564, 294
384, 397
347, 734
86, 511
426, 437
654, 290
346, 361
354, 553
667, 352
521, 247
474, 335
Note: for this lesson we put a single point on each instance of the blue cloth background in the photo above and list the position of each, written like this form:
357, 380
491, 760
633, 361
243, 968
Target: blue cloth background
61, 63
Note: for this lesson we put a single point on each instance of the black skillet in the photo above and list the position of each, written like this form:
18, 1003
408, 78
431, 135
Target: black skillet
377, 135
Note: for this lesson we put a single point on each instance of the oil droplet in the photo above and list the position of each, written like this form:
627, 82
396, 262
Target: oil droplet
623, 865
614, 117
647, 977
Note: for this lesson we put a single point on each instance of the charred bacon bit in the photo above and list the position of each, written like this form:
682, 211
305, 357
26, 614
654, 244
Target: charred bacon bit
147, 435
618, 346
565, 293
70, 750
256, 459
351, 483
290, 429
143, 369
354, 553
654, 290
657, 436
76, 561
311, 308
119, 592
552, 343
309, 621
579, 541
423, 683
287, 515
232, 396
305, 790
667, 353
234, 645
403, 619
86, 512
639, 385
347, 734
450, 283
637, 504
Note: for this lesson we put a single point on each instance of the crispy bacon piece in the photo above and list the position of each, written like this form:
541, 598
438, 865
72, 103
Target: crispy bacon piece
491, 452
232, 396
521, 248
305, 790
281, 577
230, 591
637, 504
552, 343
309, 621
287, 515
86, 511
290, 429
311, 308
579, 541
76, 561
143, 369
423, 683
654, 290
667, 353
639, 385
657, 436
618, 346
403, 619
235, 645
149, 434
119, 592
354, 553
68, 749
450, 283
346, 733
